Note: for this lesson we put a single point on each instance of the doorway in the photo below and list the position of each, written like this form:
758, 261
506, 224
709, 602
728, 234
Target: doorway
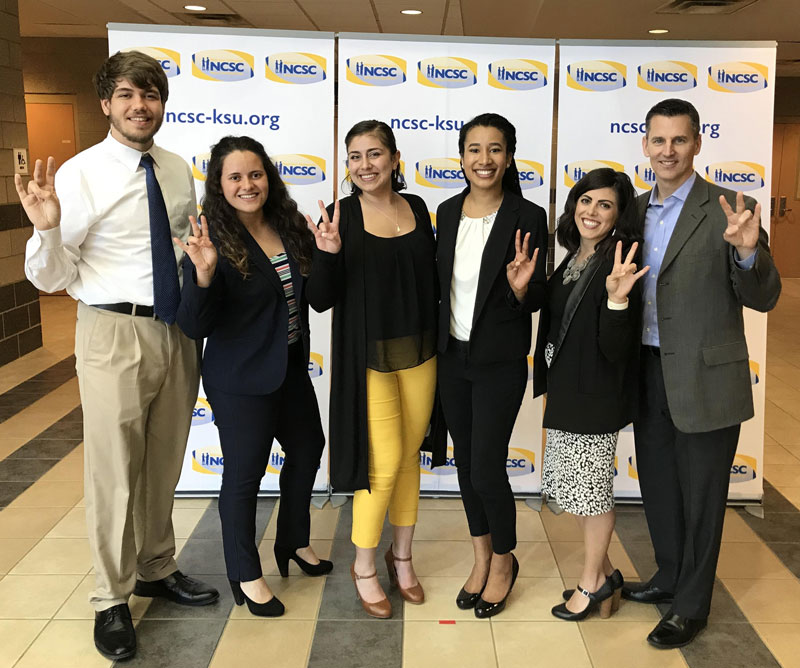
52, 127
785, 199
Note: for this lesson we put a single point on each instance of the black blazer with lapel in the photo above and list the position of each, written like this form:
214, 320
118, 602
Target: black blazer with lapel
245, 320
591, 385
501, 326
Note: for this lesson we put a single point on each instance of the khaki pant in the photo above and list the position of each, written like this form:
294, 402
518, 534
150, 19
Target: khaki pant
138, 382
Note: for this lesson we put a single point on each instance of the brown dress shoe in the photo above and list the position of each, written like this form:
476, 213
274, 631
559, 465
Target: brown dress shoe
413, 594
382, 609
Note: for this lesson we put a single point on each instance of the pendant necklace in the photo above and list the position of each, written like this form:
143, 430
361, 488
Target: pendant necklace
385, 215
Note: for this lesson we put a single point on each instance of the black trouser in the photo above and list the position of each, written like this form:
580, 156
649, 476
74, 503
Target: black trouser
684, 482
480, 405
247, 425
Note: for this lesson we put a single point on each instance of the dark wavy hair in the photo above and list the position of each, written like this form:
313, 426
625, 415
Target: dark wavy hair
280, 210
386, 136
509, 132
140, 69
628, 228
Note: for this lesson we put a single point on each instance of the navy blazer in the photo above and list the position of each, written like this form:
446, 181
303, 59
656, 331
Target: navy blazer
246, 322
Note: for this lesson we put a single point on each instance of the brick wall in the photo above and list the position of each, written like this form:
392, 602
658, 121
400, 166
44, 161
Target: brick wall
21, 330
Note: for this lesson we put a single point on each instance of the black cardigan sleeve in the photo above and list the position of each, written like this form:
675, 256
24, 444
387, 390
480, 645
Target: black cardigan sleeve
326, 280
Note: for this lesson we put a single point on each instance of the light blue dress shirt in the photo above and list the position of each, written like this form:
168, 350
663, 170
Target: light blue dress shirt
659, 224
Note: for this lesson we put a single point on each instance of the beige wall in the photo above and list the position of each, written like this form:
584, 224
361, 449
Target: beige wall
65, 65
21, 331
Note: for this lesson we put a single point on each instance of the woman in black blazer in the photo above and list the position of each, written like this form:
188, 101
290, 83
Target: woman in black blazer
586, 360
490, 284
243, 289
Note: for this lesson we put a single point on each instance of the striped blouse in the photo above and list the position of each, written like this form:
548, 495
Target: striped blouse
281, 264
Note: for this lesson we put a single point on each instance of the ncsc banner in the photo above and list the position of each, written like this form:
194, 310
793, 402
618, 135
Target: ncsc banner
605, 91
426, 89
276, 87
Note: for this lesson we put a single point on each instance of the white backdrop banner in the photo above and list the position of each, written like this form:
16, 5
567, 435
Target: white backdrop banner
426, 90
605, 91
276, 87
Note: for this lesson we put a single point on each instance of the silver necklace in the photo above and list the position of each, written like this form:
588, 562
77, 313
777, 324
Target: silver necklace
574, 269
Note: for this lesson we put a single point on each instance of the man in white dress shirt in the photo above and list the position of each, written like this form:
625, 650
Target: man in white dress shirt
104, 242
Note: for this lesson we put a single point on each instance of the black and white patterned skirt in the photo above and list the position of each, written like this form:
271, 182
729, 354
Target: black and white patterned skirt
578, 469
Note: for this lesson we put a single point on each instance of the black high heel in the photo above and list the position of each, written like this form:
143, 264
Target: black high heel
272, 608
466, 600
284, 554
601, 599
484, 609
617, 582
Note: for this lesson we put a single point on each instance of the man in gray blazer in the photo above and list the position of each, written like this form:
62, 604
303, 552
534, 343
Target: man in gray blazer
708, 258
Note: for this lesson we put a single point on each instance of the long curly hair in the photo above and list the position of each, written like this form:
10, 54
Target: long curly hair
280, 210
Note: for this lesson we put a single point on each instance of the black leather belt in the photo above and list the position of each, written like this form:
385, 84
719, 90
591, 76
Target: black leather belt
652, 350
128, 309
460, 348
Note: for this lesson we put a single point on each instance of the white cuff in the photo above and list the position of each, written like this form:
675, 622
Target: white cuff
613, 306
50, 238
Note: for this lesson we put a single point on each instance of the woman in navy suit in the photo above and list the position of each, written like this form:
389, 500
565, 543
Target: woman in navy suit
489, 239
243, 289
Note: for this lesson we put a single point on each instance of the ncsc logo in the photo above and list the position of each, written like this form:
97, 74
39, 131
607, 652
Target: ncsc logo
295, 68
645, 177
440, 173
200, 166
736, 175
300, 169
447, 72
575, 171
426, 464
667, 75
315, 365
596, 75
633, 472
222, 65
737, 77
376, 70
169, 60
754, 371
743, 469
520, 462
276, 459
517, 74
208, 460
531, 174
201, 414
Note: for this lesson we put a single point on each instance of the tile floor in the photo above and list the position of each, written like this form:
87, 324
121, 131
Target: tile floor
46, 571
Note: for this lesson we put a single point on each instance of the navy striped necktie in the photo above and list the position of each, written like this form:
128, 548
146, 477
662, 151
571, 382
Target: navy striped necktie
166, 290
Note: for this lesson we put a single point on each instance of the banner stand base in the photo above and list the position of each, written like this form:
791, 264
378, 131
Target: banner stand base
319, 501
534, 503
755, 511
338, 500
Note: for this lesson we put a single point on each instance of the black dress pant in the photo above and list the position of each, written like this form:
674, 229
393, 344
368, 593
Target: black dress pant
480, 406
684, 481
247, 425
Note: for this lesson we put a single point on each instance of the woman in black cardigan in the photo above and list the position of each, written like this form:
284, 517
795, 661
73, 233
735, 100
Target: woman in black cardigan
375, 264
243, 289
586, 354
489, 241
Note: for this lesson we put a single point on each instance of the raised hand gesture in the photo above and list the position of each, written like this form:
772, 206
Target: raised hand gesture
327, 234
520, 269
200, 251
40, 201
623, 275
743, 226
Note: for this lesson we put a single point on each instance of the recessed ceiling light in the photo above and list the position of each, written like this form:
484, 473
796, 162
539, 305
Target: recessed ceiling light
411, 12
658, 31
195, 8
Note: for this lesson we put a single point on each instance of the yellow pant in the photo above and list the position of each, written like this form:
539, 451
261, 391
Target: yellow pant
399, 407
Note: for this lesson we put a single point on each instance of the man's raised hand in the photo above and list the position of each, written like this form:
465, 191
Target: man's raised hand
40, 200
